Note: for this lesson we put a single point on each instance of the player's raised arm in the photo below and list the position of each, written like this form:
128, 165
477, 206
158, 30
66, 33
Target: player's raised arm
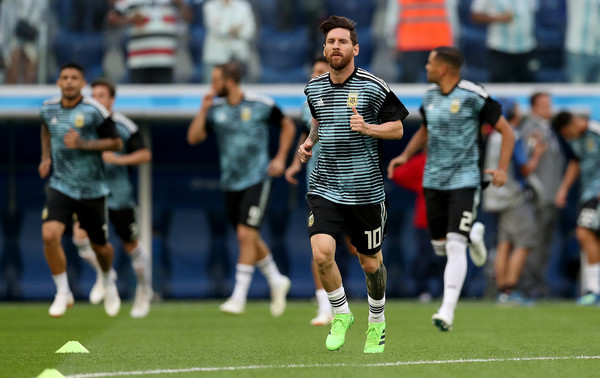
197, 129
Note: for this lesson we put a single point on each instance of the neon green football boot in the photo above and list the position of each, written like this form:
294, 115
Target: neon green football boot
337, 335
375, 338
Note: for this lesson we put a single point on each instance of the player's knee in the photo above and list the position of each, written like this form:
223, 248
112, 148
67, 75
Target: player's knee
245, 234
50, 235
370, 266
323, 258
582, 234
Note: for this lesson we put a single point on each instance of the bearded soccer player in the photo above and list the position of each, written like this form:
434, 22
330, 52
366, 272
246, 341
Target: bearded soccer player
352, 110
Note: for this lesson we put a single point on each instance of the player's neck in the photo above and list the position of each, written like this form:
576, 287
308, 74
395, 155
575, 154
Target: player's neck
340, 76
448, 83
235, 96
69, 103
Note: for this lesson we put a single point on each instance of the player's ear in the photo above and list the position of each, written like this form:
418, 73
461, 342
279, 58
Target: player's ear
356, 49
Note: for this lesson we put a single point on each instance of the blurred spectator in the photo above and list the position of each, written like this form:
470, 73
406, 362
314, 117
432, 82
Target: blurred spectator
153, 37
510, 38
514, 206
546, 181
416, 27
582, 42
230, 27
20, 23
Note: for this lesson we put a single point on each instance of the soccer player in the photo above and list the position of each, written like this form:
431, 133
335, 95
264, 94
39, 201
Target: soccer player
583, 138
75, 131
241, 122
453, 111
324, 310
352, 111
121, 205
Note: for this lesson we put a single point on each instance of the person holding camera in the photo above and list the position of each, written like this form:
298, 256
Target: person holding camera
20, 22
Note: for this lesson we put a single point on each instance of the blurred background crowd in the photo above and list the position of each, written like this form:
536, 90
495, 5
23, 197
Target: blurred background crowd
276, 40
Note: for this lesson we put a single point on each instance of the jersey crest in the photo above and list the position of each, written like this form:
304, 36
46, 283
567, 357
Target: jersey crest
352, 99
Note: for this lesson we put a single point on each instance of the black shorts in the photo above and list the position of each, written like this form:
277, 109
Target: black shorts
125, 224
451, 211
248, 206
364, 224
589, 215
90, 213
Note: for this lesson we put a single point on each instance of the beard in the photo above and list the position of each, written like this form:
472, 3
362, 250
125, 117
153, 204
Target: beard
339, 64
222, 92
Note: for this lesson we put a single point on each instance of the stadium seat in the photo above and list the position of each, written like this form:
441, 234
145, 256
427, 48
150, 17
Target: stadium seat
283, 49
550, 24
64, 12
269, 75
87, 49
360, 11
366, 42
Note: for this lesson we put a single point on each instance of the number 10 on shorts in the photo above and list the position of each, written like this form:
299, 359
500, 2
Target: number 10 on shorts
373, 238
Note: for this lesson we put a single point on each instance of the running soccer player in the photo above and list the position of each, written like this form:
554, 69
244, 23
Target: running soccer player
352, 111
75, 131
583, 138
121, 205
453, 112
241, 123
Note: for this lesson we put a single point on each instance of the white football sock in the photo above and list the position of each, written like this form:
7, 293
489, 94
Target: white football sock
592, 278
140, 262
323, 302
338, 301
269, 269
454, 273
376, 310
62, 283
243, 278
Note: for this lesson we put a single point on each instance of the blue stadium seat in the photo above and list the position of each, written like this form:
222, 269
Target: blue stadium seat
267, 12
550, 24
87, 49
196, 44
297, 74
64, 12
473, 45
366, 43
360, 11
283, 49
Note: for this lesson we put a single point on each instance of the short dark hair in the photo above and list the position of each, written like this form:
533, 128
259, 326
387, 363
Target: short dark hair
321, 59
73, 65
534, 97
335, 22
112, 90
231, 70
561, 120
450, 55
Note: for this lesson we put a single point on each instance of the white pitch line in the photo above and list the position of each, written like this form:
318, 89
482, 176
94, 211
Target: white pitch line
297, 366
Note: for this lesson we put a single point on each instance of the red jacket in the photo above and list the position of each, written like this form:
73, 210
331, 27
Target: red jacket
410, 176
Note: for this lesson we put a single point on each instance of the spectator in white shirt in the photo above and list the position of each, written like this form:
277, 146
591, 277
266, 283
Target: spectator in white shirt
582, 42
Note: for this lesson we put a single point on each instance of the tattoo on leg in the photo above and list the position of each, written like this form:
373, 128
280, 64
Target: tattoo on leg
376, 282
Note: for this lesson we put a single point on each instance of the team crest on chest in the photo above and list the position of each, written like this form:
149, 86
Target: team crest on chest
352, 99
246, 113
79, 120
455, 105
590, 145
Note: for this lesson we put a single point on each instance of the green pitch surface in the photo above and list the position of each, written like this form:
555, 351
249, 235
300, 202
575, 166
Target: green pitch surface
192, 339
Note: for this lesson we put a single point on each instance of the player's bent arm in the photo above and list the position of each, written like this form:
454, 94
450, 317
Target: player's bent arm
571, 174
137, 157
286, 138
416, 143
197, 129
387, 130
102, 144
46, 145
508, 143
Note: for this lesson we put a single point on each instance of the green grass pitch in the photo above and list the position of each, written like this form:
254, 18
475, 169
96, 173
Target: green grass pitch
193, 339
